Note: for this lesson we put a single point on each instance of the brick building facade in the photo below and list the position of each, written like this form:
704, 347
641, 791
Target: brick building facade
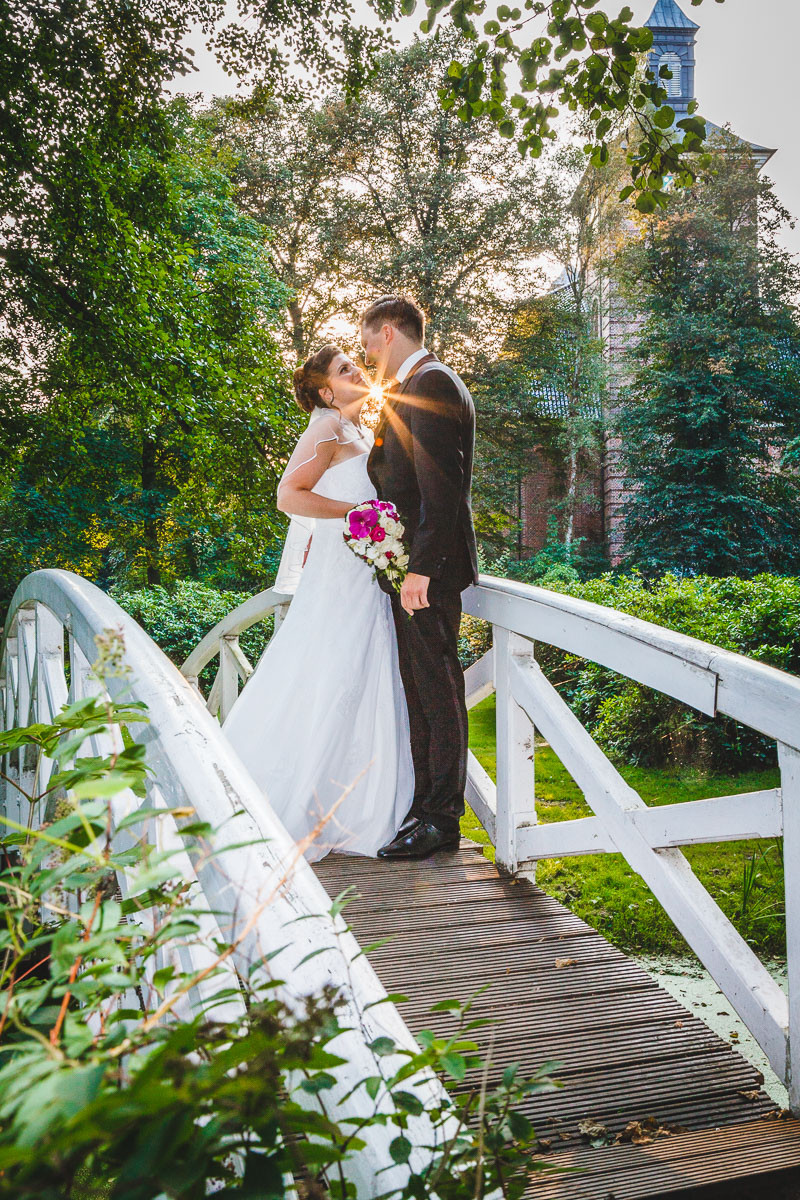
600, 518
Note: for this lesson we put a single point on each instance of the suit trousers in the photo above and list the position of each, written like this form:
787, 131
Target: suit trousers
434, 685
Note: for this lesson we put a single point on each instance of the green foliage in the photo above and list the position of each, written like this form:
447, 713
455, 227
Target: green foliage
587, 62
474, 639
178, 618
556, 562
111, 1086
166, 424
85, 134
759, 617
714, 400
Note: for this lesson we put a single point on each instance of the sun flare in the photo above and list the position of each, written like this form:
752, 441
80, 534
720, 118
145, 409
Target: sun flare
372, 406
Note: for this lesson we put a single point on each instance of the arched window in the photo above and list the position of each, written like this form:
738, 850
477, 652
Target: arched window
673, 63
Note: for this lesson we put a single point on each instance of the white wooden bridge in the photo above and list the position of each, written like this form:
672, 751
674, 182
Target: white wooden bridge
628, 1051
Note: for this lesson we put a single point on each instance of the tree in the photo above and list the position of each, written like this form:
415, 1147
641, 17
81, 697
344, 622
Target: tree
714, 399
139, 380
81, 86
447, 210
392, 193
545, 389
287, 158
164, 457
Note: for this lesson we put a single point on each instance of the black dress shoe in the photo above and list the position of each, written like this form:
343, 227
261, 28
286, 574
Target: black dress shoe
410, 822
423, 840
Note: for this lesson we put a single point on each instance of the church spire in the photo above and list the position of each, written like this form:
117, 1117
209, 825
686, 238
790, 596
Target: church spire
667, 15
673, 47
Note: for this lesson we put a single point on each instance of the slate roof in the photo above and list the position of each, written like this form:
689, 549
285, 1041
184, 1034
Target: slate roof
667, 15
762, 154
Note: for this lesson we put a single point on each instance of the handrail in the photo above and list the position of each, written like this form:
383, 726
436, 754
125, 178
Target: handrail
707, 677
698, 673
235, 622
710, 679
258, 881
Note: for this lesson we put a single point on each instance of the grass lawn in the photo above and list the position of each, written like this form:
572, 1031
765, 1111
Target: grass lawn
745, 878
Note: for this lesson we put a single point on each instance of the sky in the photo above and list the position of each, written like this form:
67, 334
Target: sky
746, 59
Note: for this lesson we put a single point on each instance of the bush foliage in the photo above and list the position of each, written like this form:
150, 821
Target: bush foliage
178, 618
758, 617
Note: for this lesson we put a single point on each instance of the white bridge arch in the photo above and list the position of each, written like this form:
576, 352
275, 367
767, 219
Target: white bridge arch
194, 766
262, 893
712, 680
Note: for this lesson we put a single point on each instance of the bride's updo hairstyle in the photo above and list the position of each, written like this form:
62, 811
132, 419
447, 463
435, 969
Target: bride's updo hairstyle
312, 376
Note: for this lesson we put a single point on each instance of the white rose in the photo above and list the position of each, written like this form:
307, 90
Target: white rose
382, 561
389, 525
372, 552
402, 560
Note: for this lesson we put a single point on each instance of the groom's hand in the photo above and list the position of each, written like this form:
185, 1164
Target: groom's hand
414, 592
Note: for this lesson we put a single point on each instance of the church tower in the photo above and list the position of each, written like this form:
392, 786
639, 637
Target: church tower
673, 47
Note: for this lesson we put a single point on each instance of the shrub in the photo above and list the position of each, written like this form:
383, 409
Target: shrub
557, 562
474, 639
178, 617
758, 617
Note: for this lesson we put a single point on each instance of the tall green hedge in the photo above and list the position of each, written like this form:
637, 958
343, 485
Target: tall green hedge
759, 617
177, 618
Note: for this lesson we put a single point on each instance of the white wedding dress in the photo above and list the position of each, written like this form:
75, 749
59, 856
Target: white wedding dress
325, 710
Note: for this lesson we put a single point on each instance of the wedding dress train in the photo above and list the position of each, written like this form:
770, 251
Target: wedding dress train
325, 710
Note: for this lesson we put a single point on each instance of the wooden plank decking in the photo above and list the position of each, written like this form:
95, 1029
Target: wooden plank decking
560, 991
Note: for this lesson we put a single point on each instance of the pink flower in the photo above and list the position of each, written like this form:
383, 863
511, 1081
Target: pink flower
378, 534
389, 554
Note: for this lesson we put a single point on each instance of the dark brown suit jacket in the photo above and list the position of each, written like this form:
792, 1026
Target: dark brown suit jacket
422, 462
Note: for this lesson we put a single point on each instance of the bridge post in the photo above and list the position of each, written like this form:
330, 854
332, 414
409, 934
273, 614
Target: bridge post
279, 616
516, 792
51, 687
10, 764
789, 762
26, 698
229, 674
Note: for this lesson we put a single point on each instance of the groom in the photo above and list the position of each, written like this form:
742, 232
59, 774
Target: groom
422, 462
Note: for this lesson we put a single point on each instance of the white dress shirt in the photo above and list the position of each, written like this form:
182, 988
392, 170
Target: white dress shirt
405, 366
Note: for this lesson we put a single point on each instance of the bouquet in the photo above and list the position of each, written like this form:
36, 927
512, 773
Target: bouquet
374, 533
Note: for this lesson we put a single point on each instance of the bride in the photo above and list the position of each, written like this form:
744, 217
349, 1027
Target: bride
325, 710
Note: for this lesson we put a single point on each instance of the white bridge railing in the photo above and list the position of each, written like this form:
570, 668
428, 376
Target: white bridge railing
262, 895
711, 680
